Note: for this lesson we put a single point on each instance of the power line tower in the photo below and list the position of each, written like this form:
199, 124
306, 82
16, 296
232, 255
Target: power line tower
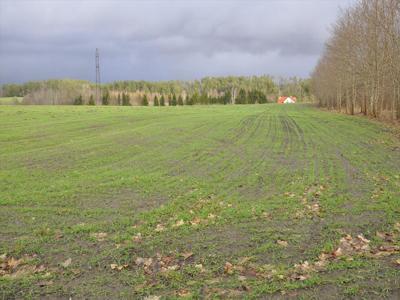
98, 91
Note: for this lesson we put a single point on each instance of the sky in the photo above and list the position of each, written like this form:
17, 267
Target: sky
162, 39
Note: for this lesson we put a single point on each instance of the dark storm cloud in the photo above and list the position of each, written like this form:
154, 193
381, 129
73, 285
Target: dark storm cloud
162, 39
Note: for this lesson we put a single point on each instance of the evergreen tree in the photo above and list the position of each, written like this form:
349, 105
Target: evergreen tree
204, 98
145, 102
125, 99
242, 97
195, 99
156, 103
119, 99
252, 97
180, 100
105, 99
162, 100
227, 97
188, 100
173, 101
78, 100
91, 100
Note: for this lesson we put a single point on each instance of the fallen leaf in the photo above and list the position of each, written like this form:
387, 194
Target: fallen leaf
137, 238
388, 237
66, 263
301, 277
390, 249
186, 255
244, 260
44, 283
200, 267
148, 261
282, 243
228, 268
152, 298
179, 223
100, 236
117, 267
184, 293
338, 252
139, 261
315, 207
196, 221
13, 263
173, 268
159, 228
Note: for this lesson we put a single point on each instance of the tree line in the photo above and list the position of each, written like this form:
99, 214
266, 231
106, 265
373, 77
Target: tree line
359, 71
209, 90
244, 97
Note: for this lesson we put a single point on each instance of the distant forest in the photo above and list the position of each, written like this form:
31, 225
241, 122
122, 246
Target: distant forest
209, 90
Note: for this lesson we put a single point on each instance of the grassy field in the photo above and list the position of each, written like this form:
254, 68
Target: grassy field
252, 201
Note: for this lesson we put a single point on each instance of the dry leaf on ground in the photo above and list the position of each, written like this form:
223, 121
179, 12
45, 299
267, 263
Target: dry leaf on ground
282, 243
228, 268
67, 263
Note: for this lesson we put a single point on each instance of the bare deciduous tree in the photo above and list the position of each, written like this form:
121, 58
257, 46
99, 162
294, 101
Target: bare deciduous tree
360, 67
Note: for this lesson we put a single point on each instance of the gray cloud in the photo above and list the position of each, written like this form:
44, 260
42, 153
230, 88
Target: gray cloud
159, 40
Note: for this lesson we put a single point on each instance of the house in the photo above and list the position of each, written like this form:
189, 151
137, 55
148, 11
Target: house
287, 100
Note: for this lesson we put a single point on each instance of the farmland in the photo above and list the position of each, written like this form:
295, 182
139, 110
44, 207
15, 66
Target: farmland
237, 201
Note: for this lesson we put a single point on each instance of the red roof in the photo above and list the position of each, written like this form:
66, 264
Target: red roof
282, 99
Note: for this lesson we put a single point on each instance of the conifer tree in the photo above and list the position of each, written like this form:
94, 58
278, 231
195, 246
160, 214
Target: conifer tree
227, 97
105, 99
195, 99
242, 97
119, 99
145, 102
156, 103
125, 99
78, 100
162, 100
173, 101
180, 100
188, 100
91, 100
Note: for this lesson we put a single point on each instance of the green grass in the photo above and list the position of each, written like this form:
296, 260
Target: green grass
10, 100
68, 172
